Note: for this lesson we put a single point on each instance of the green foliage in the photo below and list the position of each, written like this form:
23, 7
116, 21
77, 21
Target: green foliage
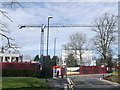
54, 61
36, 58
71, 61
48, 62
46, 73
20, 73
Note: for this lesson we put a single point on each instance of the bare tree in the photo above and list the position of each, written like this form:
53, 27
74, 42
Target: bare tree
4, 28
5, 15
105, 35
76, 45
13, 4
4, 31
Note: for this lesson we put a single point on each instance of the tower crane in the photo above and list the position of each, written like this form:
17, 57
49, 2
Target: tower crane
52, 26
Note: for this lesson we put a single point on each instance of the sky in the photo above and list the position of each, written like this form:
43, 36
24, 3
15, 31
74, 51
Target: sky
36, 13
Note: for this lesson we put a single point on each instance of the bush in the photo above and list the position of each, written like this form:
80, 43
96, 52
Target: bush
44, 73
20, 73
110, 71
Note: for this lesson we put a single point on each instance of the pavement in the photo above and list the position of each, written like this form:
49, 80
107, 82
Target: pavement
85, 81
58, 83
92, 82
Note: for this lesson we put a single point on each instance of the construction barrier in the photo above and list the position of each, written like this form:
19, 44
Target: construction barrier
59, 71
62, 70
20, 65
79, 70
56, 71
73, 70
93, 70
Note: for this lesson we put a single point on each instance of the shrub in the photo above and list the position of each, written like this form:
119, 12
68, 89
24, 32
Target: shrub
44, 73
20, 73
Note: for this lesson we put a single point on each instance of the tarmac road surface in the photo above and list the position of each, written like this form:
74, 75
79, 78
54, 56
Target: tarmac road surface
91, 82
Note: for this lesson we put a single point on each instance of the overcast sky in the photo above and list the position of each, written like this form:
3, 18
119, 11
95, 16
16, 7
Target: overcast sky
36, 13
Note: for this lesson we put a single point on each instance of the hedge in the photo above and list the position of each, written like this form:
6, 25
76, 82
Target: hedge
44, 73
20, 73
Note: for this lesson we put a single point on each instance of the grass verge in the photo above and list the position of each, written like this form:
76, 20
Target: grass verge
114, 77
23, 82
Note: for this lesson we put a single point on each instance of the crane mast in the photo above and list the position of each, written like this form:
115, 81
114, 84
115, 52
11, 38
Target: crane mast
42, 44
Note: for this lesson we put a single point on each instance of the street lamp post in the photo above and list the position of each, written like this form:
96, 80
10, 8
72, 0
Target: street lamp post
48, 40
55, 51
48, 33
55, 46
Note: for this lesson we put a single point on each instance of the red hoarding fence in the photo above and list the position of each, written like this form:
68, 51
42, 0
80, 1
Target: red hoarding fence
17, 65
92, 70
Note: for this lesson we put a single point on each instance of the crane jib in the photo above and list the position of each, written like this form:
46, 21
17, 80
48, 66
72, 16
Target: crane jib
54, 26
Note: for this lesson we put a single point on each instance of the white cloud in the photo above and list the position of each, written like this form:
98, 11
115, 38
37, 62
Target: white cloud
63, 13
62, 0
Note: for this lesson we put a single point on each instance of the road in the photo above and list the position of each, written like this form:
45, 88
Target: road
91, 82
